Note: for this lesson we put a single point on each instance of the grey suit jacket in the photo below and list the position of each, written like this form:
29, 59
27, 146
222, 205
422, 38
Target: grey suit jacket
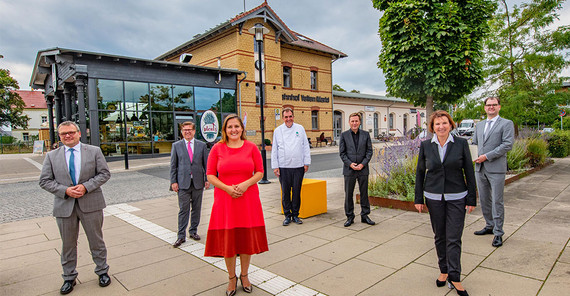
94, 173
349, 153
495, 145
181, 167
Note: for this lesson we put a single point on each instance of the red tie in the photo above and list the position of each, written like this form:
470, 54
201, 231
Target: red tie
190, 153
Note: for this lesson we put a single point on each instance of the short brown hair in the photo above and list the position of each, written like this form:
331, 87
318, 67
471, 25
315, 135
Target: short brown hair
190, 123
355, 114
288, 109
438, 114
225, 125
492, 98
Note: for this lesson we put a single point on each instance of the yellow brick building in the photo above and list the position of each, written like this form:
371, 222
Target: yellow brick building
297, 71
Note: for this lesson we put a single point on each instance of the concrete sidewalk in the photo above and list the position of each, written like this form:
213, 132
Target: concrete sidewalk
394, 257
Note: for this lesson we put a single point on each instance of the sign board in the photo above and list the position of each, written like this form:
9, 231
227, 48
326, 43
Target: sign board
369, 108
209, 126
250, 133
39, 147
562, 113
277, 114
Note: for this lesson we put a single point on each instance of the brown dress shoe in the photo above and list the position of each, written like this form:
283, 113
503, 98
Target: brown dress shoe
179, 242
194, 236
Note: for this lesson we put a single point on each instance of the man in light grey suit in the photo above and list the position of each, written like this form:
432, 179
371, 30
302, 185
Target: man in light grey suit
494, 137
188, 160
355, 149
74, 174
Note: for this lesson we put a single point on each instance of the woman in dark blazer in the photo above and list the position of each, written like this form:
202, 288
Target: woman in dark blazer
446, 178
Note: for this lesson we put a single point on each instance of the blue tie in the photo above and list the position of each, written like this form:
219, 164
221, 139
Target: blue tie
72, 166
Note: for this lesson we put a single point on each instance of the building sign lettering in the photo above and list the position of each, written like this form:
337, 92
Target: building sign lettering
318, 99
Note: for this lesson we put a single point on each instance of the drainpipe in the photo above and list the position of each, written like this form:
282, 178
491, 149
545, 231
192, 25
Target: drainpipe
239, 88
332, 100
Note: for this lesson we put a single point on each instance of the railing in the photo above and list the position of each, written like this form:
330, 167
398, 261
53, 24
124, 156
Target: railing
20, 147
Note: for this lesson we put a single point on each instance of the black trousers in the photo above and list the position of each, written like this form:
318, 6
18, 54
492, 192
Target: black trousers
291, 180
349, 183
447, 221
190, 204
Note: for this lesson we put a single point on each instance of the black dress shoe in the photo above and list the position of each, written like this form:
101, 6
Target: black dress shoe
459, 292
67, 287
297, 220
104, 280
194, 236
497, 241
484, 231
287, 221
179, 242
366, 219
349, 221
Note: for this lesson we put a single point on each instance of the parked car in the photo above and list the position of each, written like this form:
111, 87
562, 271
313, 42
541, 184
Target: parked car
467, 127
547, 130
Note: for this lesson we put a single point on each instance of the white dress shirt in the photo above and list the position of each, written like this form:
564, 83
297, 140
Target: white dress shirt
76, 158
442, 150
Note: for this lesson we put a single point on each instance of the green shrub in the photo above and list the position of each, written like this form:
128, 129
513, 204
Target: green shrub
537, 152
559, 143
517, 158
8, 139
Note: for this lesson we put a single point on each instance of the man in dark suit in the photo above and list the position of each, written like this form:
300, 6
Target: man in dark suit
355, 150
74, 173
494, 137
188, 178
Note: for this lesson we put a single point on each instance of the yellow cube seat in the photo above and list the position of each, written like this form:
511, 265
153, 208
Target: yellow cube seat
313, 198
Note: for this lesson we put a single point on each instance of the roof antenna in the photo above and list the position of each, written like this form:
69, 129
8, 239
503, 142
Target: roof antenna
243, 5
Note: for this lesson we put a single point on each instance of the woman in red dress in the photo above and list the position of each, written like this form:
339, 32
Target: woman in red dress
236, 223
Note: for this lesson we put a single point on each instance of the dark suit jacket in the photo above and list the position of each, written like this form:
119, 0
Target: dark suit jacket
94, 173
180, 166
454, 175
349, 153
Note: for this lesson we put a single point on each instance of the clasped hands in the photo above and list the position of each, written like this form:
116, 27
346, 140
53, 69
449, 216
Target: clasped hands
236, 191
76, 191
356, 167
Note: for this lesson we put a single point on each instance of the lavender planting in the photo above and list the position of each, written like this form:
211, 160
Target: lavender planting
394, 171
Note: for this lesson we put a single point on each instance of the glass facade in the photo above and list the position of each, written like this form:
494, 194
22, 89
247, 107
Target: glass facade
141, 117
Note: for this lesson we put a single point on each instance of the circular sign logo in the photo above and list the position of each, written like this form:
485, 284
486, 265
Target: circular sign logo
209, 126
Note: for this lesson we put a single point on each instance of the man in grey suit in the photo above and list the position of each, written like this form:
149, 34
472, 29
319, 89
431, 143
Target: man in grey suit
355, 150
494, 137
188, 161
74, 174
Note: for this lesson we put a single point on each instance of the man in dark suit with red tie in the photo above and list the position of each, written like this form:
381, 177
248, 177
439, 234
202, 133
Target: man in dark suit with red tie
188, 178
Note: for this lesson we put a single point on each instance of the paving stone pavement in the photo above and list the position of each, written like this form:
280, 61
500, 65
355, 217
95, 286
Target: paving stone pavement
320, 257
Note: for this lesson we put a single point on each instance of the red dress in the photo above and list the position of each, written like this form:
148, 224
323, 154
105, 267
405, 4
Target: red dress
236, 224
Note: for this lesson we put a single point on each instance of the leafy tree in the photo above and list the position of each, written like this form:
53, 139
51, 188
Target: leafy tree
524, 59
11, 104
338, 88
431, 50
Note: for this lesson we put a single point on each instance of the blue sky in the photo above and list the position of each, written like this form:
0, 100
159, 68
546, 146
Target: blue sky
148, 28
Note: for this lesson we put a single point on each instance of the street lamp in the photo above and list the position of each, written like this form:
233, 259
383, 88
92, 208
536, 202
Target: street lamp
258, 29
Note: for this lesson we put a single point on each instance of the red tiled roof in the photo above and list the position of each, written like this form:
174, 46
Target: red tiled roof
33, 99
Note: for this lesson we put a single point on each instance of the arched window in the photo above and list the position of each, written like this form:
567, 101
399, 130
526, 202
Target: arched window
391, 121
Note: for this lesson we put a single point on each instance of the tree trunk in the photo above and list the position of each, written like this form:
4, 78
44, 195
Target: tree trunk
429, 111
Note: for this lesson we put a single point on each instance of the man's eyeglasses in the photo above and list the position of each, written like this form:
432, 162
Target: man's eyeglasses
67, 134
187, 130
491, 105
